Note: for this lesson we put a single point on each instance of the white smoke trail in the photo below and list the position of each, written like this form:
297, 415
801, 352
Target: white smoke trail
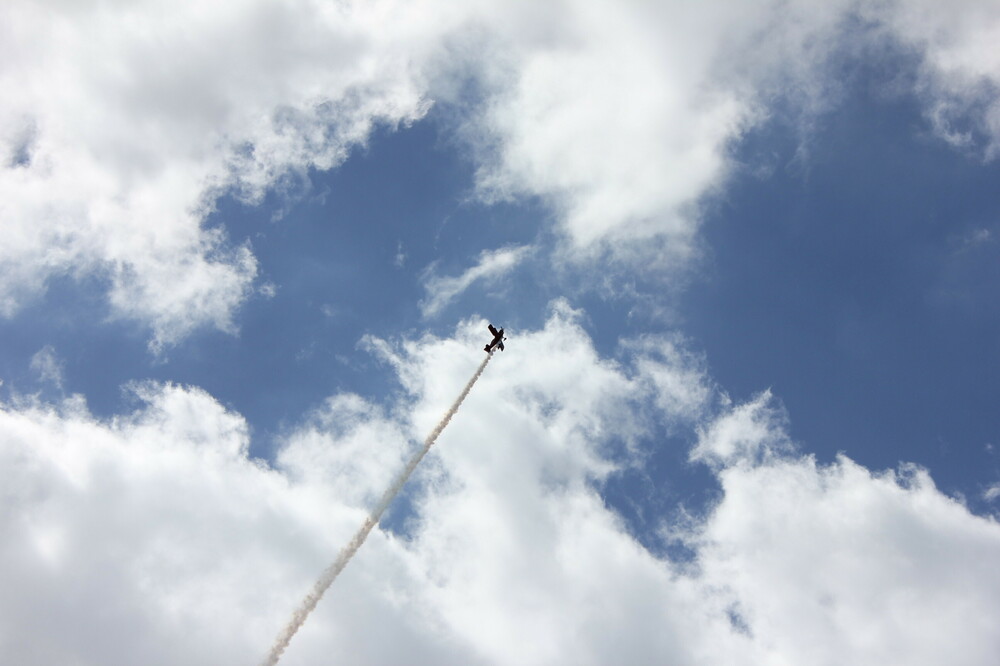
330, 574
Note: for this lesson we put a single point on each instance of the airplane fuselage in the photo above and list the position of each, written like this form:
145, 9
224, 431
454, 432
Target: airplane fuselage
496, 342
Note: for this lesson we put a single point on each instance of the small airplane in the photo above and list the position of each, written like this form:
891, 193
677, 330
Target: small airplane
497, 340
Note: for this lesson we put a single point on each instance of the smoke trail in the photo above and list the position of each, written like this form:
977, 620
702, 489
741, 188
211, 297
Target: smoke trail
332, 571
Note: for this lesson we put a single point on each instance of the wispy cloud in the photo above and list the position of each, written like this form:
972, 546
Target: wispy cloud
492, 264
48, 366
400, 259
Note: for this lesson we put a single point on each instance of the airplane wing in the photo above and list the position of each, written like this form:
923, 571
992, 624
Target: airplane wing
493, 331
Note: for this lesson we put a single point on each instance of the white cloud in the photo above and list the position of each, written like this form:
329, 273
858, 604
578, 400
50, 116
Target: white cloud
492, 265
834, 564
612, 115
48, 366
747, 432
400, 259
268, 290
960, 82
678, 377
152, 538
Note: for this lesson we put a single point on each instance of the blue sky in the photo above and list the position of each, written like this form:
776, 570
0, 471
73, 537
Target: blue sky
747, 259
858, 286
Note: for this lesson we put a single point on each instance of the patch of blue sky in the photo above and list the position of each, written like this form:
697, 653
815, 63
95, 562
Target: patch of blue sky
860, 285
97, 352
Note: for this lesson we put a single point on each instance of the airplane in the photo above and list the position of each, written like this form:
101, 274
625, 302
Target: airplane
497, 340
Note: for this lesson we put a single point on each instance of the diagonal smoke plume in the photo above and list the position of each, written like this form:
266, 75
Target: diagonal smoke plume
330, 574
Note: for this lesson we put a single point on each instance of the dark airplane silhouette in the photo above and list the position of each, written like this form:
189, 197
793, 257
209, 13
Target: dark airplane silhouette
497, 340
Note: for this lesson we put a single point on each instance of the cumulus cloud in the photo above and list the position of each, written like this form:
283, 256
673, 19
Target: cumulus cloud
615, 120
835, 563
832, 564
153, 537
492, 265
100, 523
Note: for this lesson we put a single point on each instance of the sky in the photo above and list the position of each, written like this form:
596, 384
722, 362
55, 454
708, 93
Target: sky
746, 254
